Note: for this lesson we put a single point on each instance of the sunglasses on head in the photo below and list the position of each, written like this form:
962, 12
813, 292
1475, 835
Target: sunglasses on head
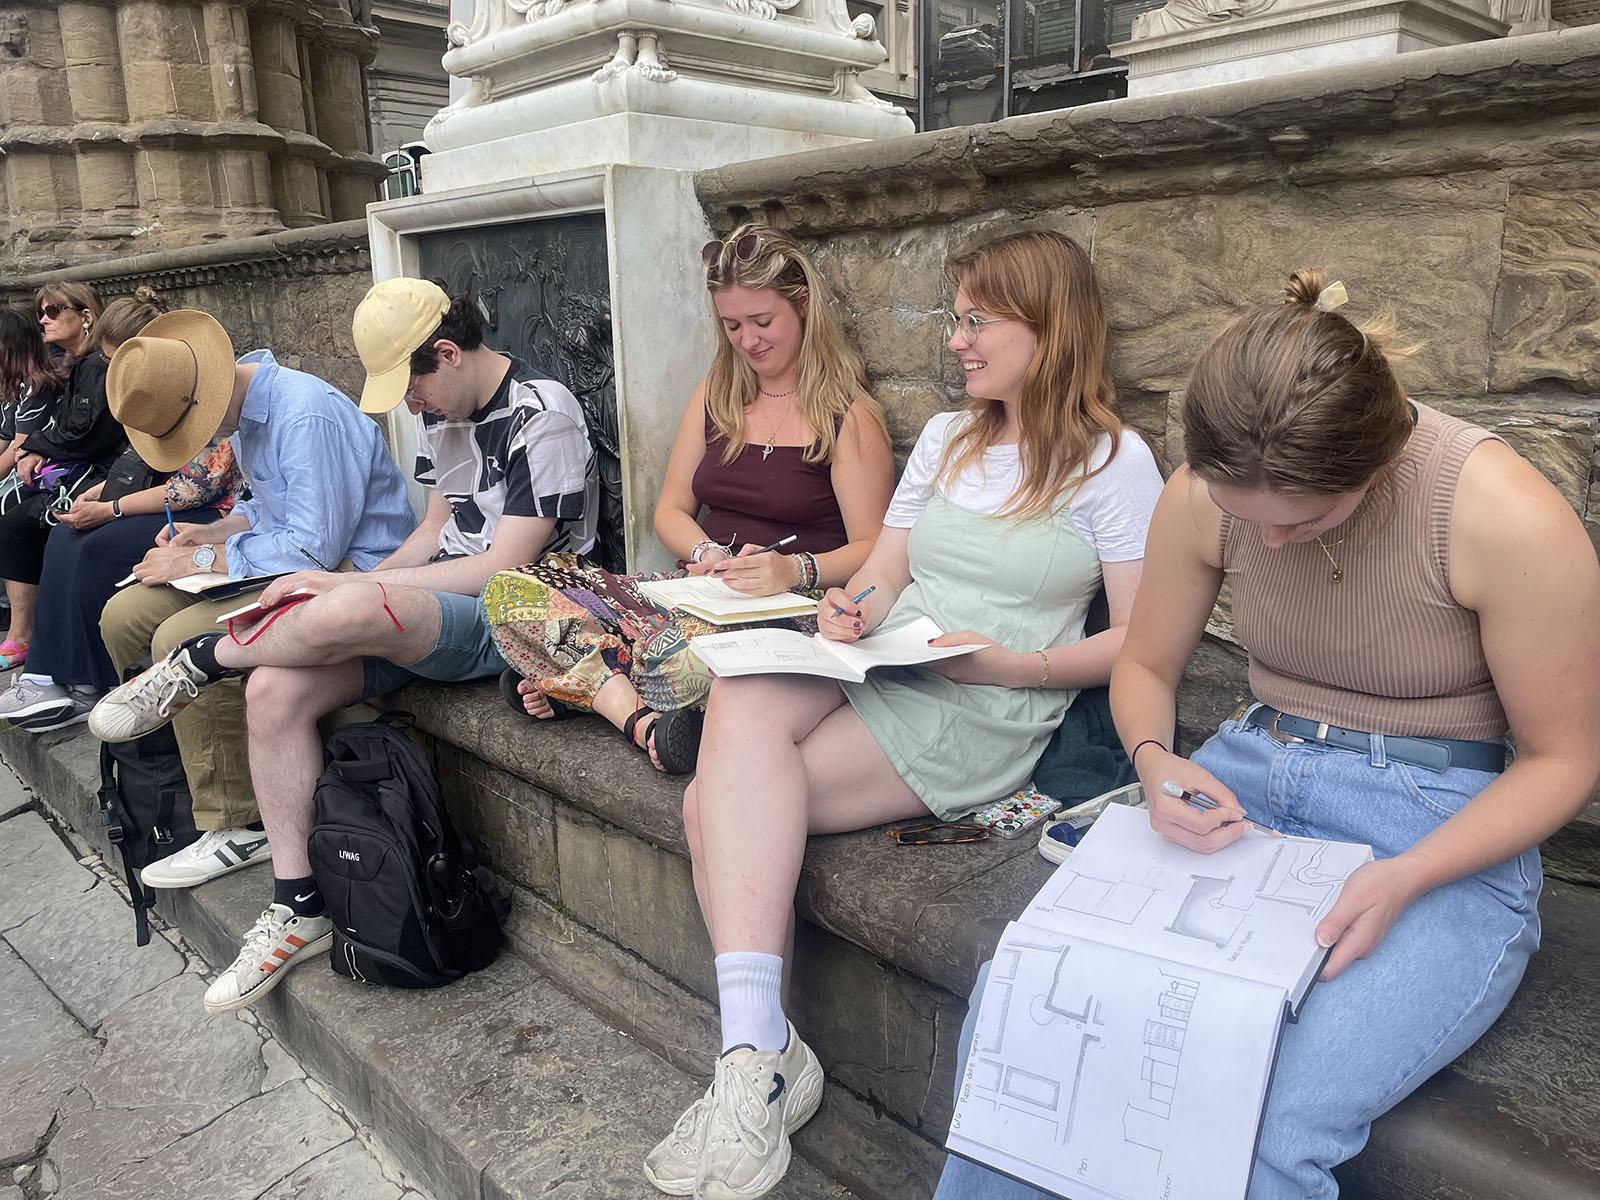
745, 249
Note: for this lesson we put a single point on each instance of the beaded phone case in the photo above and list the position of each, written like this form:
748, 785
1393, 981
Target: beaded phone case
1016, 814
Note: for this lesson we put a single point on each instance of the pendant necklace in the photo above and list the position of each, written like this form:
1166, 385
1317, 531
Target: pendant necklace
1338, 571
766, 451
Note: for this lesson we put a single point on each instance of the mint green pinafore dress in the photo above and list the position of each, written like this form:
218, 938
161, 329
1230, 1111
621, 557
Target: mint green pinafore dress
1026, 584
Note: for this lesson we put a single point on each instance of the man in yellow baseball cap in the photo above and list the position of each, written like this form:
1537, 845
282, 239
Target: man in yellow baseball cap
511, 475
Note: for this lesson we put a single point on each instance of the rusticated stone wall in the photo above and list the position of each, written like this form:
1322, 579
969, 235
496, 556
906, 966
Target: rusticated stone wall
139, 125
292, 292
1459, 188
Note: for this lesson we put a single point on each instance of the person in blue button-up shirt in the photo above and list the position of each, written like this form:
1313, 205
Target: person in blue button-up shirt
324, 490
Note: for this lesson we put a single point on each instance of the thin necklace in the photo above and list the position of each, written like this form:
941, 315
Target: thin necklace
1338, 571
766, 451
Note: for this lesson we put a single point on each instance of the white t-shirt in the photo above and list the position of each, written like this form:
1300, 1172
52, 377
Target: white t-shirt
1112, 510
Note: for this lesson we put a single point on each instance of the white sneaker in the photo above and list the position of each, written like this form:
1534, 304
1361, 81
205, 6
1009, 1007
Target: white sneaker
671, 1165
27, 699
757, 1098
150, 699
218, 852
277, 941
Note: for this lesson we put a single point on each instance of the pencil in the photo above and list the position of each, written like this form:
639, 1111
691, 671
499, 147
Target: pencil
856, 599
1206, 804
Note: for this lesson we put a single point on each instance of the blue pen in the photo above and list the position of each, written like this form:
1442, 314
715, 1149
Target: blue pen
172, 530
856, 599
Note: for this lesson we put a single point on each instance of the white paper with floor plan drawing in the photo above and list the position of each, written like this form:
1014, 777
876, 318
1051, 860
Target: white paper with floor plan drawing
785, 652
1126, 1036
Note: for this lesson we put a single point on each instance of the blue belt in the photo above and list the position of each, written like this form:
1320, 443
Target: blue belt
1433, 754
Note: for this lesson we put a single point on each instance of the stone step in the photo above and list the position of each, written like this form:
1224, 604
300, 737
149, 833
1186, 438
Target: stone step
498, 1087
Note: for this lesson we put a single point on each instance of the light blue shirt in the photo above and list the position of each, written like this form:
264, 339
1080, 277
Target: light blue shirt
323, 487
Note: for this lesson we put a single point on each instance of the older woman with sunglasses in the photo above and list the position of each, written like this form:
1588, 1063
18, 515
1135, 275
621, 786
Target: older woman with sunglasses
781, 440
76, 446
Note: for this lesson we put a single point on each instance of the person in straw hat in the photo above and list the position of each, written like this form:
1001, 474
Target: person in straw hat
511, 474
323, 489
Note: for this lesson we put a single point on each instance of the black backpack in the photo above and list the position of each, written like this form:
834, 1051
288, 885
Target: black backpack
410, 903
145, 803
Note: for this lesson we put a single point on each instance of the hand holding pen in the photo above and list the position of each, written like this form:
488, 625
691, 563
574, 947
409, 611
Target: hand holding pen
758, 570
1205, 803
1188, 804
840, 617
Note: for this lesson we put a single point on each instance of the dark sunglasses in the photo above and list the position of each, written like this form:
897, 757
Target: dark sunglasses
936, 833
51, 311
745, 249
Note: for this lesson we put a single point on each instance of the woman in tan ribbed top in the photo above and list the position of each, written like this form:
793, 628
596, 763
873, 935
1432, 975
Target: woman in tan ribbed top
1411, 592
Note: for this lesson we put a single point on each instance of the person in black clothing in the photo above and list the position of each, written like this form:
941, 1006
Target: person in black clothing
73, 451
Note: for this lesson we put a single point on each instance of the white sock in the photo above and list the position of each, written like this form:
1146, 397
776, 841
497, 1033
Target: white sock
41, 680
750, 991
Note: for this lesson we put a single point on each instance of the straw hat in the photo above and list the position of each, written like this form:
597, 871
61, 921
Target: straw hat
170, 386
392, 320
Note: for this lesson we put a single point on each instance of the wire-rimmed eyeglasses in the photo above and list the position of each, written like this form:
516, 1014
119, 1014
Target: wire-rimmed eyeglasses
967, 327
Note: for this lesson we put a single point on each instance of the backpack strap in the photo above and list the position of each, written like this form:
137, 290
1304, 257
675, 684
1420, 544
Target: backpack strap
118, 833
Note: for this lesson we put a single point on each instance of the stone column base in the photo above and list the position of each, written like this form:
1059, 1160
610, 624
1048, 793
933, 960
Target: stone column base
1297, 37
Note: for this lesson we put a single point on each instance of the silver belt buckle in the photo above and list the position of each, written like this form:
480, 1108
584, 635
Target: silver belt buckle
1288, 739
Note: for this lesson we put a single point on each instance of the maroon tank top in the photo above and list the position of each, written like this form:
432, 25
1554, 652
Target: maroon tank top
748, 500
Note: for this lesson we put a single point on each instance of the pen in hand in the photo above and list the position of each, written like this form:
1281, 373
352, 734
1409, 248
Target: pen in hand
781, 542
172, 530
856, 599
1206, 804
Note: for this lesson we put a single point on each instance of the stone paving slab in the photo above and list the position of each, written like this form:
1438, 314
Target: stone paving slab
116, 1084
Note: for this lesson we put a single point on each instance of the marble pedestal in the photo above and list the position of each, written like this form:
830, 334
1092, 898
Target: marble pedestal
1290, 36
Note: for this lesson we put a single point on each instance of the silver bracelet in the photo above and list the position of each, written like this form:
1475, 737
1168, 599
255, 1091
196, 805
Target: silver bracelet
702, 548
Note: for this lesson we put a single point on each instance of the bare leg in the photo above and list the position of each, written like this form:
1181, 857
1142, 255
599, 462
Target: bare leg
345, 623
781, 758
22, 596
283, 705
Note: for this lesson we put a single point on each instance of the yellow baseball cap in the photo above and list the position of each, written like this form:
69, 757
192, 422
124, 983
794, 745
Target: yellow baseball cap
392, 320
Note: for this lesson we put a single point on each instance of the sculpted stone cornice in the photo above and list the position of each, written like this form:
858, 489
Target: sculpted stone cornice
167, 132
360, 40
339, 249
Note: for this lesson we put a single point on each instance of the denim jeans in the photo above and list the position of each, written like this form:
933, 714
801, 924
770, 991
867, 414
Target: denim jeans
1366, 1040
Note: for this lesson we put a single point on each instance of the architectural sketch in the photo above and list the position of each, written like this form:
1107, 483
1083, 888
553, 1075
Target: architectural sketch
1120, 900
1205, 913
1296, 875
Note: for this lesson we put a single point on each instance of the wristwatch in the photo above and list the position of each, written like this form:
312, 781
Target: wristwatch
205, 558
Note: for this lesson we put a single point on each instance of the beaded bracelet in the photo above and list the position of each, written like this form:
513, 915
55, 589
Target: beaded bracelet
813, 572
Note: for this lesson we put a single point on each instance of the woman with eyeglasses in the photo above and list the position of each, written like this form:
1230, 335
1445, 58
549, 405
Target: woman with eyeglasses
780, 442
1010, 515
77, 443
96, 542
1411, 591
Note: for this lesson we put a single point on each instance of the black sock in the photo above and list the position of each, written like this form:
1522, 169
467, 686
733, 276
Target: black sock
299, 894
202, 651
257, 827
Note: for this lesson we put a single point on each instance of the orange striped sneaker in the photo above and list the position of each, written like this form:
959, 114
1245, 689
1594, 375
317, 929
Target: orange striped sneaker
276, 942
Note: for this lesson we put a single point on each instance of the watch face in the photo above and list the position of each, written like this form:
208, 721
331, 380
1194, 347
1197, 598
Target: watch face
205, 557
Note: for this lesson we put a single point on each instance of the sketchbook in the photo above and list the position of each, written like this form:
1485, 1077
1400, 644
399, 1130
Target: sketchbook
714, 601
1126, 1037
214, 586
785, 652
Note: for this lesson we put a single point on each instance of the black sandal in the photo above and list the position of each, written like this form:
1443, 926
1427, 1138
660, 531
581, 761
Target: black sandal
516, 700
675, 736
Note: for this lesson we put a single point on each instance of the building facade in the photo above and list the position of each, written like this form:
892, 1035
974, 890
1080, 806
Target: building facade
139, 125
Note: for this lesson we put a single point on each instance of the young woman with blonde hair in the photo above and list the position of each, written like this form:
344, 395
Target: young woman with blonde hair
1010, 515
1411, 592
781, 438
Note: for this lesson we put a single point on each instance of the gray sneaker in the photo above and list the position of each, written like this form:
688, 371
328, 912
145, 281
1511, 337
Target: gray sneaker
26, 702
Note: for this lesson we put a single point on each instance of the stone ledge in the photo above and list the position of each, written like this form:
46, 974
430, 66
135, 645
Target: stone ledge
1294, 125
332, 249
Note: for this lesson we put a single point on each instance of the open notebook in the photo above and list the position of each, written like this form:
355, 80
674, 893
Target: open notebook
213, 586
714, 601
785, 652
1126, 1037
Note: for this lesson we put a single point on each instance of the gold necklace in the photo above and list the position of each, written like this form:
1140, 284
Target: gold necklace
766, 451
1338, 571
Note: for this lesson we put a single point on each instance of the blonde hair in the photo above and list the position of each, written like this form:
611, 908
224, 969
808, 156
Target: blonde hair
830, 378
126, 316
1047, 282
1296, 400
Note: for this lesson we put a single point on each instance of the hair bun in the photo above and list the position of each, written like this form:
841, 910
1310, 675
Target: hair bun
1305, 285
145, 294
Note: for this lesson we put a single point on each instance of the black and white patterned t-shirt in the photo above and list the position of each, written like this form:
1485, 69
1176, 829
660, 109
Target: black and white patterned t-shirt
524, 454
